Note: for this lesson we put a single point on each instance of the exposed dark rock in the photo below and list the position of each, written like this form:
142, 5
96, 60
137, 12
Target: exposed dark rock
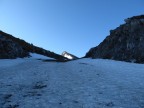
12, 47
39, 85
125, 43
69, 56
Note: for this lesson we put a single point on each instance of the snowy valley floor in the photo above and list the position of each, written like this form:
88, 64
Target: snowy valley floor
85, 83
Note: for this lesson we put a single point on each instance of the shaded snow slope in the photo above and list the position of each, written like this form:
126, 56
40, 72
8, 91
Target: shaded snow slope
39, 56
10, 62
14, 62
84, 83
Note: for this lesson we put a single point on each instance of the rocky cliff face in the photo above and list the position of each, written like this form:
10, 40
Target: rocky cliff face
11, 47
125, 43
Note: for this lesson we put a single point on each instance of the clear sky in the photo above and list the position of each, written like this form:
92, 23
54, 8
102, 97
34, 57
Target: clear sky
65, 25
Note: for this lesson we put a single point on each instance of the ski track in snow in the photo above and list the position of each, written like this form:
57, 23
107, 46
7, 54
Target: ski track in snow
85, 83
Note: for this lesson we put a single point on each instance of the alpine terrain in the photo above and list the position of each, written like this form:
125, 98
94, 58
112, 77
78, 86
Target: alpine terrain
83, 83
69, 56
125, 43
32, 77
12, 47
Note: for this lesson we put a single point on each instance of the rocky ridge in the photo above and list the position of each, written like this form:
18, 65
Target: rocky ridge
125, 43
12, 47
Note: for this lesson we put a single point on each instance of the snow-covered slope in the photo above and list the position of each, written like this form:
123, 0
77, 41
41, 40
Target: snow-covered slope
13, 62
85, 83
10, 62
39, 56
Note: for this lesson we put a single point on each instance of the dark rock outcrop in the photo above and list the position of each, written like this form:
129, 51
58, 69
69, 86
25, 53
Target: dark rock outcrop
12, 47
69, 56
125, 43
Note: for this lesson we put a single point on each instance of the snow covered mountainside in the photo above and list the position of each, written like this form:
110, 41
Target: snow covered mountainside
83, 83
69, 56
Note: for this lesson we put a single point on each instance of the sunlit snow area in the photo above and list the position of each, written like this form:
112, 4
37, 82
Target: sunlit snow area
83, 83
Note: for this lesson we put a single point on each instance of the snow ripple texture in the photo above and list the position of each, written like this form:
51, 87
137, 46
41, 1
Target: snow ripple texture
84, 83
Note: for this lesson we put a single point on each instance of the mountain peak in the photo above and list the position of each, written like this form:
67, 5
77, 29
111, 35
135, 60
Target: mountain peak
69, 56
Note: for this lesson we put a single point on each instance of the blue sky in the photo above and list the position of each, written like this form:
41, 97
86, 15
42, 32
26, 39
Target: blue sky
65, 25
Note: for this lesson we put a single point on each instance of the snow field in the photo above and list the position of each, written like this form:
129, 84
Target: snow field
84, 83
